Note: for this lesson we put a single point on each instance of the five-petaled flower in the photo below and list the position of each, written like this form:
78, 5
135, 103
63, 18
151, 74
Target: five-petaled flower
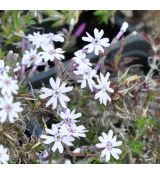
109, 144
69, 117
57, 93
31, 58
38, 40
103, 87
58, 138
9, 110
81, 58
87, 74
74, 130
97, 43
80, 53
50, 53
8, 85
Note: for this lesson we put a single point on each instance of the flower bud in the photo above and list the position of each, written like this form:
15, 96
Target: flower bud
124, 27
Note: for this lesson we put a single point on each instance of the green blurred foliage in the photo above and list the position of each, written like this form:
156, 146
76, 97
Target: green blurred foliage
2, 53
143, 122
104, 15
60, 17
14, 24
136, 146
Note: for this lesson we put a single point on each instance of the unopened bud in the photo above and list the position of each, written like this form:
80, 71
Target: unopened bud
124, 27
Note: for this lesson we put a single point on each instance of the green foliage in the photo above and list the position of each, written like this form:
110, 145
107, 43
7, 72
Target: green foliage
2, 53
102, 108
92, 136
14, 24
61, 17
104, 15
142, 122
136, 146
94, 160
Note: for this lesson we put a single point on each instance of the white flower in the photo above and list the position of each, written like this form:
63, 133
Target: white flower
74, 130
58, 138
57, 93
109, 144
124, 27
50, 53
82, 61
3, 69
96, 43
8, 85
9, 110
69, 117
4, 157
80, 53
31, 58
87, 76
81, 58
38, 40
103, 87
56, 38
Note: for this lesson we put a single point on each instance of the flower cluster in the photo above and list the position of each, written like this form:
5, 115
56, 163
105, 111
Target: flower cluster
89, 75
42, 50
97, 43
9, 110
64, 133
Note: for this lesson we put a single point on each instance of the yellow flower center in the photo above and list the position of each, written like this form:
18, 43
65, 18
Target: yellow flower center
58, 137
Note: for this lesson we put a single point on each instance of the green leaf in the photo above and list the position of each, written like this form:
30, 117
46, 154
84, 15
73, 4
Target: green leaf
104, 15
136, 146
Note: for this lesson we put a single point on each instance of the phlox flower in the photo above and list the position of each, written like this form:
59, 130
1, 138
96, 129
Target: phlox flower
69, 117
57, 93
31, 58
8, 85
50, 53
57, 138
109, 143
74, 130
103, 88
96, 43
87, 74
9, 110
38, 40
